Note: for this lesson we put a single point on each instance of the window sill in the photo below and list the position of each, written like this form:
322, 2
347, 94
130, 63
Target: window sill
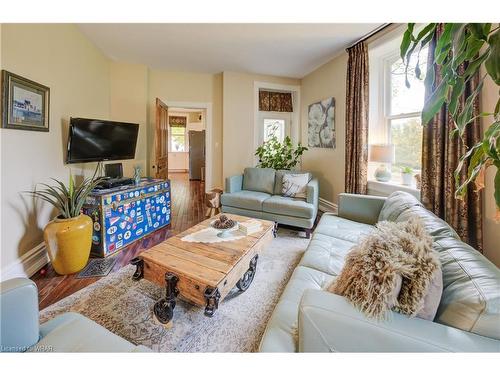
385, 189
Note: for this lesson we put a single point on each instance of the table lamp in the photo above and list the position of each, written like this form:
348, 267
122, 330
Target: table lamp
384, 154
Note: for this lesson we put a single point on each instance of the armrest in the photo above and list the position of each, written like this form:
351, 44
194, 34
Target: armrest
329, 323
360, 208
313, 193
234, 183
19, 315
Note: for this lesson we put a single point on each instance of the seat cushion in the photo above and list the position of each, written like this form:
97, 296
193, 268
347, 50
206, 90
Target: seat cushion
326, 253
72, 332
250, 200
344, 229
471, 289
288, 206
281, 330
259, 179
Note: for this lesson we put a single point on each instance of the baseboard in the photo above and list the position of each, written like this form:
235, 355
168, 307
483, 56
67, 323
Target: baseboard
327, 206
27, 265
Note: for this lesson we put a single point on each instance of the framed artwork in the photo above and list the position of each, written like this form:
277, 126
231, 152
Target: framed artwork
321, 124
25, 104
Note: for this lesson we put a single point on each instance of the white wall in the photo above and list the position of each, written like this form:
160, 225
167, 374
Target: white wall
60, 57
328, 165
189, 87
239, 118
128, 99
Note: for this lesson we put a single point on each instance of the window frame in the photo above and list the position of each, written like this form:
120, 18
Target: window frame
170, 146
386, 87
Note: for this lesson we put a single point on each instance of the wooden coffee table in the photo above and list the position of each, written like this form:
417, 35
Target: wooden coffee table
201, 273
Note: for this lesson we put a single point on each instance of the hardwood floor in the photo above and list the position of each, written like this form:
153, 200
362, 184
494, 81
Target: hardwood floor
188, 209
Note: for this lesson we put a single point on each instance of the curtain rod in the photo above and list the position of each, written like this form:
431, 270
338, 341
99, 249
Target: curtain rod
370, 34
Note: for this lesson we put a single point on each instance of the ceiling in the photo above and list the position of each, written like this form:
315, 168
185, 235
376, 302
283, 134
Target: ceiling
288, 50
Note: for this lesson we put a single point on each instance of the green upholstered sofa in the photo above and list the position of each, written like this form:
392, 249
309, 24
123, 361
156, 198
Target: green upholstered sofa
257, 193
309, 319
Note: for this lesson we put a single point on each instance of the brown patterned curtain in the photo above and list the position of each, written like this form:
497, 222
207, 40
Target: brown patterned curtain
356, 151
177, 121
275, 101
440, 157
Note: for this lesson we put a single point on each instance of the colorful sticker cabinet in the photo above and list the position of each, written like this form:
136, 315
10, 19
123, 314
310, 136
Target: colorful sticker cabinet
125, 214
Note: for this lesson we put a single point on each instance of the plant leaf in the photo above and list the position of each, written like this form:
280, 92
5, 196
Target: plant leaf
434, 103
492, 64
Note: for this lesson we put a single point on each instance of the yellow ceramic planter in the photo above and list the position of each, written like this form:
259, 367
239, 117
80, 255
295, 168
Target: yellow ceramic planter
68, 243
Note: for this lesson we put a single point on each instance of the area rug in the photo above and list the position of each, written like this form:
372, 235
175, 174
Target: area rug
124, 306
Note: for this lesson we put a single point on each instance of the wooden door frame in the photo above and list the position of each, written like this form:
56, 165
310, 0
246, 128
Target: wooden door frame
207, 108
160, 104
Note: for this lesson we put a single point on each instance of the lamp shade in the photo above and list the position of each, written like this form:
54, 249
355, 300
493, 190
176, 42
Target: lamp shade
382, 153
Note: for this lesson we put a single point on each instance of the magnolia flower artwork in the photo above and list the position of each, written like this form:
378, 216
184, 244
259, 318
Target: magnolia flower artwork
321, 126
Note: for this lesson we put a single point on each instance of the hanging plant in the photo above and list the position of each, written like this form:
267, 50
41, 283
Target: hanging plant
476, 45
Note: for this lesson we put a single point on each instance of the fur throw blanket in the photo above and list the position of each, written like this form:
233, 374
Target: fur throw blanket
391, 268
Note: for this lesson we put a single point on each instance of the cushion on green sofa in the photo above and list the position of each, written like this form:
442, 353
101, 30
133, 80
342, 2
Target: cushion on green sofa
278, 180
259, 179
471, 289
395, 204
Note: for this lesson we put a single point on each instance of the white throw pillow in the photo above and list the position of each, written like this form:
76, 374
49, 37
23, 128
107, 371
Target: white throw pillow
295, 185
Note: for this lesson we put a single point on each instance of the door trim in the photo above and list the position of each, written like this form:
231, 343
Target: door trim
207, 106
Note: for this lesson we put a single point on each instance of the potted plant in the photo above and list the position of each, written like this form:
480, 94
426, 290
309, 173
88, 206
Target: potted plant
279, 155
68, 237
407, 175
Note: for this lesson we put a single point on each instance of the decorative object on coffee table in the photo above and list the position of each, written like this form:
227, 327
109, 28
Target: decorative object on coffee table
223, 224
68, 237
212, 201
201, 273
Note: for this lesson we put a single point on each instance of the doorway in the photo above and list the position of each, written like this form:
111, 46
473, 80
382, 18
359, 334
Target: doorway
187, 142
190, 107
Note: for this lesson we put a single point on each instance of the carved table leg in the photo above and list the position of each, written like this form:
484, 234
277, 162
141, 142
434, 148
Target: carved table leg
247, 278
139, 270
212, 296
164, 308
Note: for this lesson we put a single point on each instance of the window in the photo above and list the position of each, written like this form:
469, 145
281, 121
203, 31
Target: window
395, 109
402, 111
178, 139
274, 127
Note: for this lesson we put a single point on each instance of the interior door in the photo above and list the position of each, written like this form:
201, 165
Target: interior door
161, 141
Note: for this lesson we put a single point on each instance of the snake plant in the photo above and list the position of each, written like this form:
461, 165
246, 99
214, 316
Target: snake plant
474, 45
68, 200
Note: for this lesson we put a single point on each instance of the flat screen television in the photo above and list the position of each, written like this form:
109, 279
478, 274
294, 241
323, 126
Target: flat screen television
98, 140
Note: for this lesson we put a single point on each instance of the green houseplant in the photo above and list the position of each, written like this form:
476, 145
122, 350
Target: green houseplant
477, 45
279, 155
407, 175
68, 237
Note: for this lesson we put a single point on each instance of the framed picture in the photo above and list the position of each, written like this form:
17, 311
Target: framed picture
25, 104
321, 124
